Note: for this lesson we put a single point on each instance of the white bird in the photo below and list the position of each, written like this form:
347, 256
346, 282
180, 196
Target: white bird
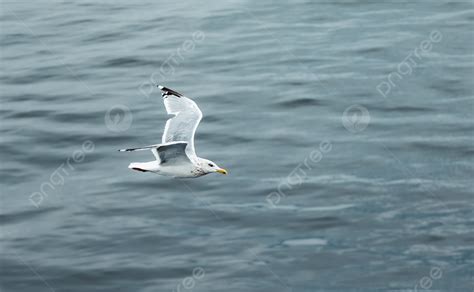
175, 156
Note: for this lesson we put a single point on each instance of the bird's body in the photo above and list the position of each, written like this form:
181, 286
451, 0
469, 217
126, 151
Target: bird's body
176, 156
182, 171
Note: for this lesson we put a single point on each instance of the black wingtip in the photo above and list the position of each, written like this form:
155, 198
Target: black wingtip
167, 91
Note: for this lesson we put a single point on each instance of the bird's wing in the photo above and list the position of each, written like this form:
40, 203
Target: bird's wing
172, 153
182, 126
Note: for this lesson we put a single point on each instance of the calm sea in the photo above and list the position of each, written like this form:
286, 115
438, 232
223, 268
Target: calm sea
346, 126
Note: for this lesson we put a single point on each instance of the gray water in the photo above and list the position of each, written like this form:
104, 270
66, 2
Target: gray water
346, 126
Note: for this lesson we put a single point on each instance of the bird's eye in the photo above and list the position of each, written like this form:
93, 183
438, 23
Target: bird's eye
211, 165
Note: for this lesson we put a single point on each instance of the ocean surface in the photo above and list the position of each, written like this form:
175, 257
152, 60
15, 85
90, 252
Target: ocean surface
346, 127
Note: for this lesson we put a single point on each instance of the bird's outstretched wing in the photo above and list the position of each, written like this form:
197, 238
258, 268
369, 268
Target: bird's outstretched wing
172, 153
182, 126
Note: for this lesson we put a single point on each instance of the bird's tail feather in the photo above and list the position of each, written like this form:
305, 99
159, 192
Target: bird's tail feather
138, 166
139, 148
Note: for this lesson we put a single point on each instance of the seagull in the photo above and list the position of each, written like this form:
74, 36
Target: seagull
175, 156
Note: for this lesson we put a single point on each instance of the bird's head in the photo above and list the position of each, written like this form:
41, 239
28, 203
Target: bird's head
210, 166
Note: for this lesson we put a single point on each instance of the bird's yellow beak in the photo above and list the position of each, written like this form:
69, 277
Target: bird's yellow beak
222, 171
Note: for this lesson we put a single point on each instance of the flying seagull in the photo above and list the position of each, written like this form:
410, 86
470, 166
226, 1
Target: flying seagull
175, 156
